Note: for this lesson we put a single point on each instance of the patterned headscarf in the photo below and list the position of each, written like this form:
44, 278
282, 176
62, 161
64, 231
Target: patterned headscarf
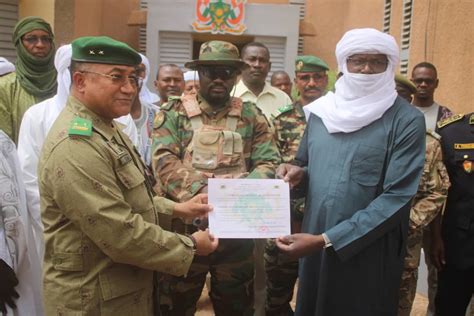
37, 75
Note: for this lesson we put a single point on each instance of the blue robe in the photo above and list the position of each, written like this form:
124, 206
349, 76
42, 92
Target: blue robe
359, 187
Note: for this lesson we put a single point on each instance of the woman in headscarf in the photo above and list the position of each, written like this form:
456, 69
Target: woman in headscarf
35, 77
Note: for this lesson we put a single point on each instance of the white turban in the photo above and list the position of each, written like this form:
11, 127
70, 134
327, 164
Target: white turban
145, 94
6, 66
62, 61
191, 75
360, 99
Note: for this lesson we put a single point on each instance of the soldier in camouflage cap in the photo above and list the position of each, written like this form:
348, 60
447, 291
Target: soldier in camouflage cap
311, 81
212, 134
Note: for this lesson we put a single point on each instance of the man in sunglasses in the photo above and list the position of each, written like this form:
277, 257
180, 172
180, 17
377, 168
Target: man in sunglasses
102, 238
425, 78
212, 134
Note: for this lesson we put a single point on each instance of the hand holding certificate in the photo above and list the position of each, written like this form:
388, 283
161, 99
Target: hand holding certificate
249, 208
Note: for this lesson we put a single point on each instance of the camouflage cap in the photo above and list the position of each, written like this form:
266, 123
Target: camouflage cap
217, 53
310, 63
402, 80
104, 50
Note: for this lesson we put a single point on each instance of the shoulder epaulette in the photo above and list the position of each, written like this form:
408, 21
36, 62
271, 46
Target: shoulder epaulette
471, 119
450, 120
284, 109
433, 133
80, 126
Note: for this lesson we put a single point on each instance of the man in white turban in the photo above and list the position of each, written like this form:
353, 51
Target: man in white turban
35, 125
143, 111
359, 165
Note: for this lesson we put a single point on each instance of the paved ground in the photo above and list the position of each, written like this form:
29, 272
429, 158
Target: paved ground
205, 306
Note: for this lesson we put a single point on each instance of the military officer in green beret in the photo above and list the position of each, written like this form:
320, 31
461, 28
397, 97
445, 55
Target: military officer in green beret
405, 88
103, 241
310, 80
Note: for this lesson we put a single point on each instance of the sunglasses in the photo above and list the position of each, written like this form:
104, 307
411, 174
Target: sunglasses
224, 73
425, 80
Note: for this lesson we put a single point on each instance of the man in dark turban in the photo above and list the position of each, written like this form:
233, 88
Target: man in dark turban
35, 77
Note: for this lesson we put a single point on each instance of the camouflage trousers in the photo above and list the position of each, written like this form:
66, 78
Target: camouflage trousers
281, 278
231, 268
410, 271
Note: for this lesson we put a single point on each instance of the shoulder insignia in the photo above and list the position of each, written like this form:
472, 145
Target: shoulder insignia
433, 133
284, 109
159, 119
450, 120
464, 146
80, 126
471, 119
166, 106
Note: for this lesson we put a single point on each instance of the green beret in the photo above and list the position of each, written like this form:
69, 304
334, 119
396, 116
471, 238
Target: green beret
310, 63
402, 80
104, 50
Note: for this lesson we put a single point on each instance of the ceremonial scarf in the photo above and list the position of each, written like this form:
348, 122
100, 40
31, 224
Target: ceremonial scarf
146, 96
36, 75
360, 99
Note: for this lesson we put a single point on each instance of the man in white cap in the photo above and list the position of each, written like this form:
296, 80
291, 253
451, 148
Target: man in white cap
360, 161
143, 111
191, 82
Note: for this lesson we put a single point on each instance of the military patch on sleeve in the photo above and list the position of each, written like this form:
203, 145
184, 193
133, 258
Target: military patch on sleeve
450, 120
80, 126
159, 120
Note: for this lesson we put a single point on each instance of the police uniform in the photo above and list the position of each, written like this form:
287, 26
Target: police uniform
101, 231
456, 280
289, 125
426, 205
193, 142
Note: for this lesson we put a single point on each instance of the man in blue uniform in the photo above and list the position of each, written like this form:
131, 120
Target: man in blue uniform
362, 156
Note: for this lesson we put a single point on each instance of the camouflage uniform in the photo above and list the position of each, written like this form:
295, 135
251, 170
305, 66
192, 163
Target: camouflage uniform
176, 167
281, 272
427, 203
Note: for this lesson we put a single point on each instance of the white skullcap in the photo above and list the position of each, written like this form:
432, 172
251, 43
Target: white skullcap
191, 75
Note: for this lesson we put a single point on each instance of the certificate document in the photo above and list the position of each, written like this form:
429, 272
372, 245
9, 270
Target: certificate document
249, 208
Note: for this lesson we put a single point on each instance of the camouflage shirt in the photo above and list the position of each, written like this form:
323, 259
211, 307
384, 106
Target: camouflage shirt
173, 132
289, 127
434, 184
